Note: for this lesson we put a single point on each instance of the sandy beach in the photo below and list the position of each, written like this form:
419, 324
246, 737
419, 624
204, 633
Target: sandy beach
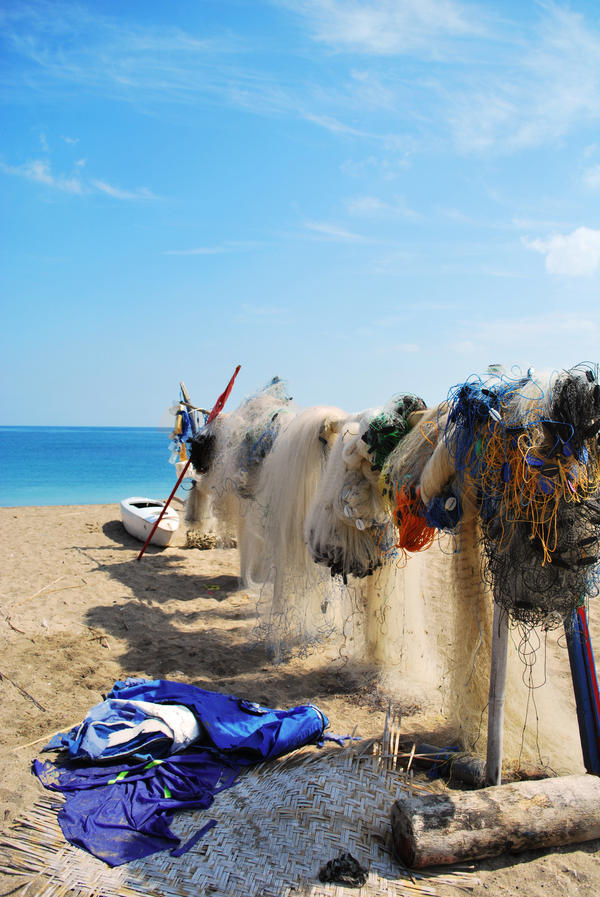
78, 613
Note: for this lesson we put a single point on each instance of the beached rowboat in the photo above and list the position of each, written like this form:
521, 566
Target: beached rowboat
139, 516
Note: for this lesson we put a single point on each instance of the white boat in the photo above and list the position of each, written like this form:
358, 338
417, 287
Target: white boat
139, 515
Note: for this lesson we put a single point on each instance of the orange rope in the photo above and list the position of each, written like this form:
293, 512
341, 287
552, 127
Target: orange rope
413, 531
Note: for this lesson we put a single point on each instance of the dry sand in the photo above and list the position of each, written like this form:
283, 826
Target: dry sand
78, 613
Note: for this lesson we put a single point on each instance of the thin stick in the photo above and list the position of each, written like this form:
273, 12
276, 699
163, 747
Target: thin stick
22, 690
163, 510
21, 747
43, 589
59, 589
13, 627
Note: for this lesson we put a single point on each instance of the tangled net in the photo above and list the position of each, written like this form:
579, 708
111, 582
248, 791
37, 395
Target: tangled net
527, 453
349, 528
387, 428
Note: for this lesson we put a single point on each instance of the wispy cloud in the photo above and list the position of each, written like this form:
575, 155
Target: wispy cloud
327, 231
333, 125
537, 88
377, 208
119, 193
386, 27
390, 166
537, 83
59, 44
440, 70
39, 170
576, 254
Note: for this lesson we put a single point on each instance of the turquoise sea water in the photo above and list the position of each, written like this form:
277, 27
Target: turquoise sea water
83, 465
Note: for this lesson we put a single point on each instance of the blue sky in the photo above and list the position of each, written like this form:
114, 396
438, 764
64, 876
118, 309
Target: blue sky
364, 198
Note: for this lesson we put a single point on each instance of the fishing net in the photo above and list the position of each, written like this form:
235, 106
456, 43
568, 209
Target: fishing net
527, 452
391, 533
226, 457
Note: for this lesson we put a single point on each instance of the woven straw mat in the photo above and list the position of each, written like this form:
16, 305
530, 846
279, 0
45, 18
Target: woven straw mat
277, 826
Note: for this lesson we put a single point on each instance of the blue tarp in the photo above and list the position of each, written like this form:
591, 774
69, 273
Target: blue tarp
122, 811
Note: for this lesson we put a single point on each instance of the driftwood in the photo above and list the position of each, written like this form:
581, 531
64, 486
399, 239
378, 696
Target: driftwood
439, 829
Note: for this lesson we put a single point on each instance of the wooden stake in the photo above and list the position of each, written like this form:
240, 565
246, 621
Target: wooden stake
493, 768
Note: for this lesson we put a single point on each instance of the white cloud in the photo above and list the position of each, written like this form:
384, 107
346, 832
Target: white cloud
385, 27
333, 125
39, 170
576, 254
487, 84
63, 43
541, 84
118, 193
334, 232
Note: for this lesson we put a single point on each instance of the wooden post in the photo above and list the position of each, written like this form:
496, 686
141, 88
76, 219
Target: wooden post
495, 738
455, 826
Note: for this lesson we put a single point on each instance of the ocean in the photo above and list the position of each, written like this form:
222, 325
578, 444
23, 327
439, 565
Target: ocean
84, 465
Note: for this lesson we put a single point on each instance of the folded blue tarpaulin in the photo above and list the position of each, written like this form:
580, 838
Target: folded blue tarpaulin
120, 812
225, 722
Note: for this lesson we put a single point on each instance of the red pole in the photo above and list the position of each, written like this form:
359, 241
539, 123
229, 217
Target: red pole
218, 407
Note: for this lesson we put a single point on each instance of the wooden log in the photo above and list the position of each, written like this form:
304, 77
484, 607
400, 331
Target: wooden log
439, 829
